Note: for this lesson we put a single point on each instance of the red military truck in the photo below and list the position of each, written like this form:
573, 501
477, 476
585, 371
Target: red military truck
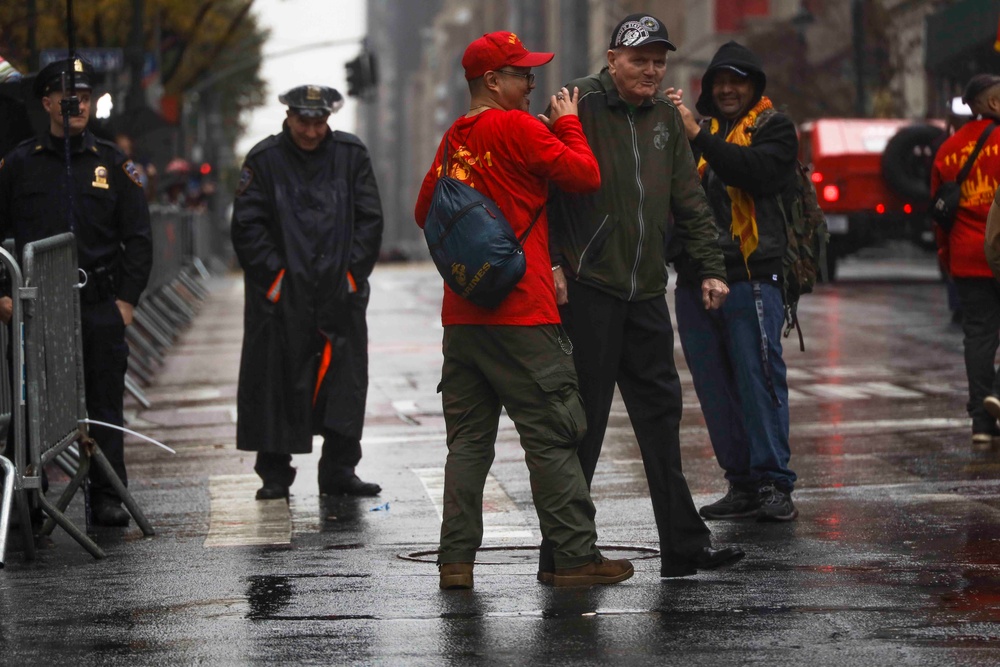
872, 180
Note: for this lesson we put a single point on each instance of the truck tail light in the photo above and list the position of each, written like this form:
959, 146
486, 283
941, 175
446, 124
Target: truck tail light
907, 209
880, 208
816, 177
831, 193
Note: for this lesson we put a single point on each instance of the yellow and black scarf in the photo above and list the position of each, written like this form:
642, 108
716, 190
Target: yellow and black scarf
744, 225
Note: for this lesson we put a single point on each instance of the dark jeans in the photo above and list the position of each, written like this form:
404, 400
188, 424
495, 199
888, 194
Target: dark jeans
744, 401
980, 299
631, 345
105, 360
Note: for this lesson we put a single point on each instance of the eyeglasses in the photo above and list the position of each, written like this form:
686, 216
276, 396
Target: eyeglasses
529, 77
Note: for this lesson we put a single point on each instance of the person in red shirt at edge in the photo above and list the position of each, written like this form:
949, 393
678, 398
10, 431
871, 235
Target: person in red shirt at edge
962, 254
516, 356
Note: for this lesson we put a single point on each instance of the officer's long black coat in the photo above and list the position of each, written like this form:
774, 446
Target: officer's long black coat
316, 215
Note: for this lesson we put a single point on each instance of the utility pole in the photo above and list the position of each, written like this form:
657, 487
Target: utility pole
858, 34
135, 57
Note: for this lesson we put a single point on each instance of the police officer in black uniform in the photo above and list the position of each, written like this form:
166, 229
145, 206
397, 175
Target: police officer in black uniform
307, 227
114, 247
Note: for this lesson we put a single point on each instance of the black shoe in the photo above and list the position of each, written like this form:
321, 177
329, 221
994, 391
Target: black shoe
349, 486
736, 504
109, 513
705, 558
272, 491
776, 505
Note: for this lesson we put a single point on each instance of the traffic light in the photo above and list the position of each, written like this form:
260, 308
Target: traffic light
362, 75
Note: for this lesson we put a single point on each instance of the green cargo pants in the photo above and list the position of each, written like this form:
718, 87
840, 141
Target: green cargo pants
529, 371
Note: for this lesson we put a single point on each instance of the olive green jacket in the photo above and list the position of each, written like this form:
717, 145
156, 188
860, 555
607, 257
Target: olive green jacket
614, 239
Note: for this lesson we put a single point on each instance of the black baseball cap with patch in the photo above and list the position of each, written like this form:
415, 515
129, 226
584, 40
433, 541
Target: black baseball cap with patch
312, 101
640, 29
50, 78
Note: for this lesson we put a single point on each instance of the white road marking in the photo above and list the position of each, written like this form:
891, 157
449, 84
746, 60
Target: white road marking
879, 425
838, 391
237, 519
860, 427
860, 391
502, 520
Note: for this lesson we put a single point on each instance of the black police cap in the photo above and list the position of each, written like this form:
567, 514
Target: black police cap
50, 78
312, 101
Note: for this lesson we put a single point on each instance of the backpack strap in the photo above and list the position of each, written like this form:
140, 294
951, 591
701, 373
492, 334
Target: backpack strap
520, 239
967, 167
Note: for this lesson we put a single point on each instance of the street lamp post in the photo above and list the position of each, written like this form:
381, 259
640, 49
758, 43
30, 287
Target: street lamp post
858, 34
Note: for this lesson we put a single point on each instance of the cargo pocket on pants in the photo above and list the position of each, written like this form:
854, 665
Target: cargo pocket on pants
566, 419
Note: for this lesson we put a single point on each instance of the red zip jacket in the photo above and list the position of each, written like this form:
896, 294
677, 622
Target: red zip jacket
510, 156
961, 250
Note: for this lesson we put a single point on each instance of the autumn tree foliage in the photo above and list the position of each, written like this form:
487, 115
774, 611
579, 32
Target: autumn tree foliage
193, 39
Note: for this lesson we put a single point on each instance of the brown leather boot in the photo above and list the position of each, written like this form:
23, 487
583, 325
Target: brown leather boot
456, 575
603, 571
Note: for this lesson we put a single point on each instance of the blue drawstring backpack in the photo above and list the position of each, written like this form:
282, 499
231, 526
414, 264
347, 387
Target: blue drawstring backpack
472, 244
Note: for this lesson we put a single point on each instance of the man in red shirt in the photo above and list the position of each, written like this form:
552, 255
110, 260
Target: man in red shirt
962, 253
516, 356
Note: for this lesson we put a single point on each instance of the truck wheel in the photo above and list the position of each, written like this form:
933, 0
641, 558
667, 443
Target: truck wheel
907, 161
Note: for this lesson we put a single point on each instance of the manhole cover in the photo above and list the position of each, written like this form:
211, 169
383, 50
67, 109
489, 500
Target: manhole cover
521, 554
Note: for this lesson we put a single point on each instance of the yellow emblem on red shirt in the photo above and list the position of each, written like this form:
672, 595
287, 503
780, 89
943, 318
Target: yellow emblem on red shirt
101, 178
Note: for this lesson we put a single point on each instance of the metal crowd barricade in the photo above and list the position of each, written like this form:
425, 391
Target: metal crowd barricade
12, 398
174, 289
56, 403
180, 239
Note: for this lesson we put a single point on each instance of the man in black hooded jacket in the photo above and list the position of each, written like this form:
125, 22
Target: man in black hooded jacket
746, 154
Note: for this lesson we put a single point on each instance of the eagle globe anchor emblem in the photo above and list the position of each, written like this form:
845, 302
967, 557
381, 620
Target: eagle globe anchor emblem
458, 272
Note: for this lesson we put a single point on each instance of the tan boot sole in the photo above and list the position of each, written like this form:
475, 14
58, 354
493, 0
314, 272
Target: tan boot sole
456, 581
565, 581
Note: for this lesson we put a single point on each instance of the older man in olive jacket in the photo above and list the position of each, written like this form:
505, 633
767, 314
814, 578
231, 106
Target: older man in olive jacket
608, 254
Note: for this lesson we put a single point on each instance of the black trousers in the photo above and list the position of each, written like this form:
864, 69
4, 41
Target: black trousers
631, 345
339, 457
980, 299
105, 361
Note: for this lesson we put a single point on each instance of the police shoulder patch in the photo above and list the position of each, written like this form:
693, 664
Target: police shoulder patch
132, 172
246, 176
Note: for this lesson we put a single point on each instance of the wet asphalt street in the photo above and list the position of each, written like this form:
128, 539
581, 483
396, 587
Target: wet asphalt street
895, 558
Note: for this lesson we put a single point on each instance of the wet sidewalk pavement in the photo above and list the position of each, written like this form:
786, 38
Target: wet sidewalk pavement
895, 557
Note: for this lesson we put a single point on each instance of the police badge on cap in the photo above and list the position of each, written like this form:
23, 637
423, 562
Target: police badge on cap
312, 101
50, 78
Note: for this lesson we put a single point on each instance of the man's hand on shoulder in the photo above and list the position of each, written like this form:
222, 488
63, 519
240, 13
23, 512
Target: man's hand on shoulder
561, 104
691, 127
713, 293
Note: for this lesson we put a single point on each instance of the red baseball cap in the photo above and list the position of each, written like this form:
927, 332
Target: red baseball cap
497, 49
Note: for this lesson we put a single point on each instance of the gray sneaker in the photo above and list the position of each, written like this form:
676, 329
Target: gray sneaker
736, 504
776, 505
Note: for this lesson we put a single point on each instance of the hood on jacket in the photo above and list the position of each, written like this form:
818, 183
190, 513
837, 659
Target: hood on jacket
738, 58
